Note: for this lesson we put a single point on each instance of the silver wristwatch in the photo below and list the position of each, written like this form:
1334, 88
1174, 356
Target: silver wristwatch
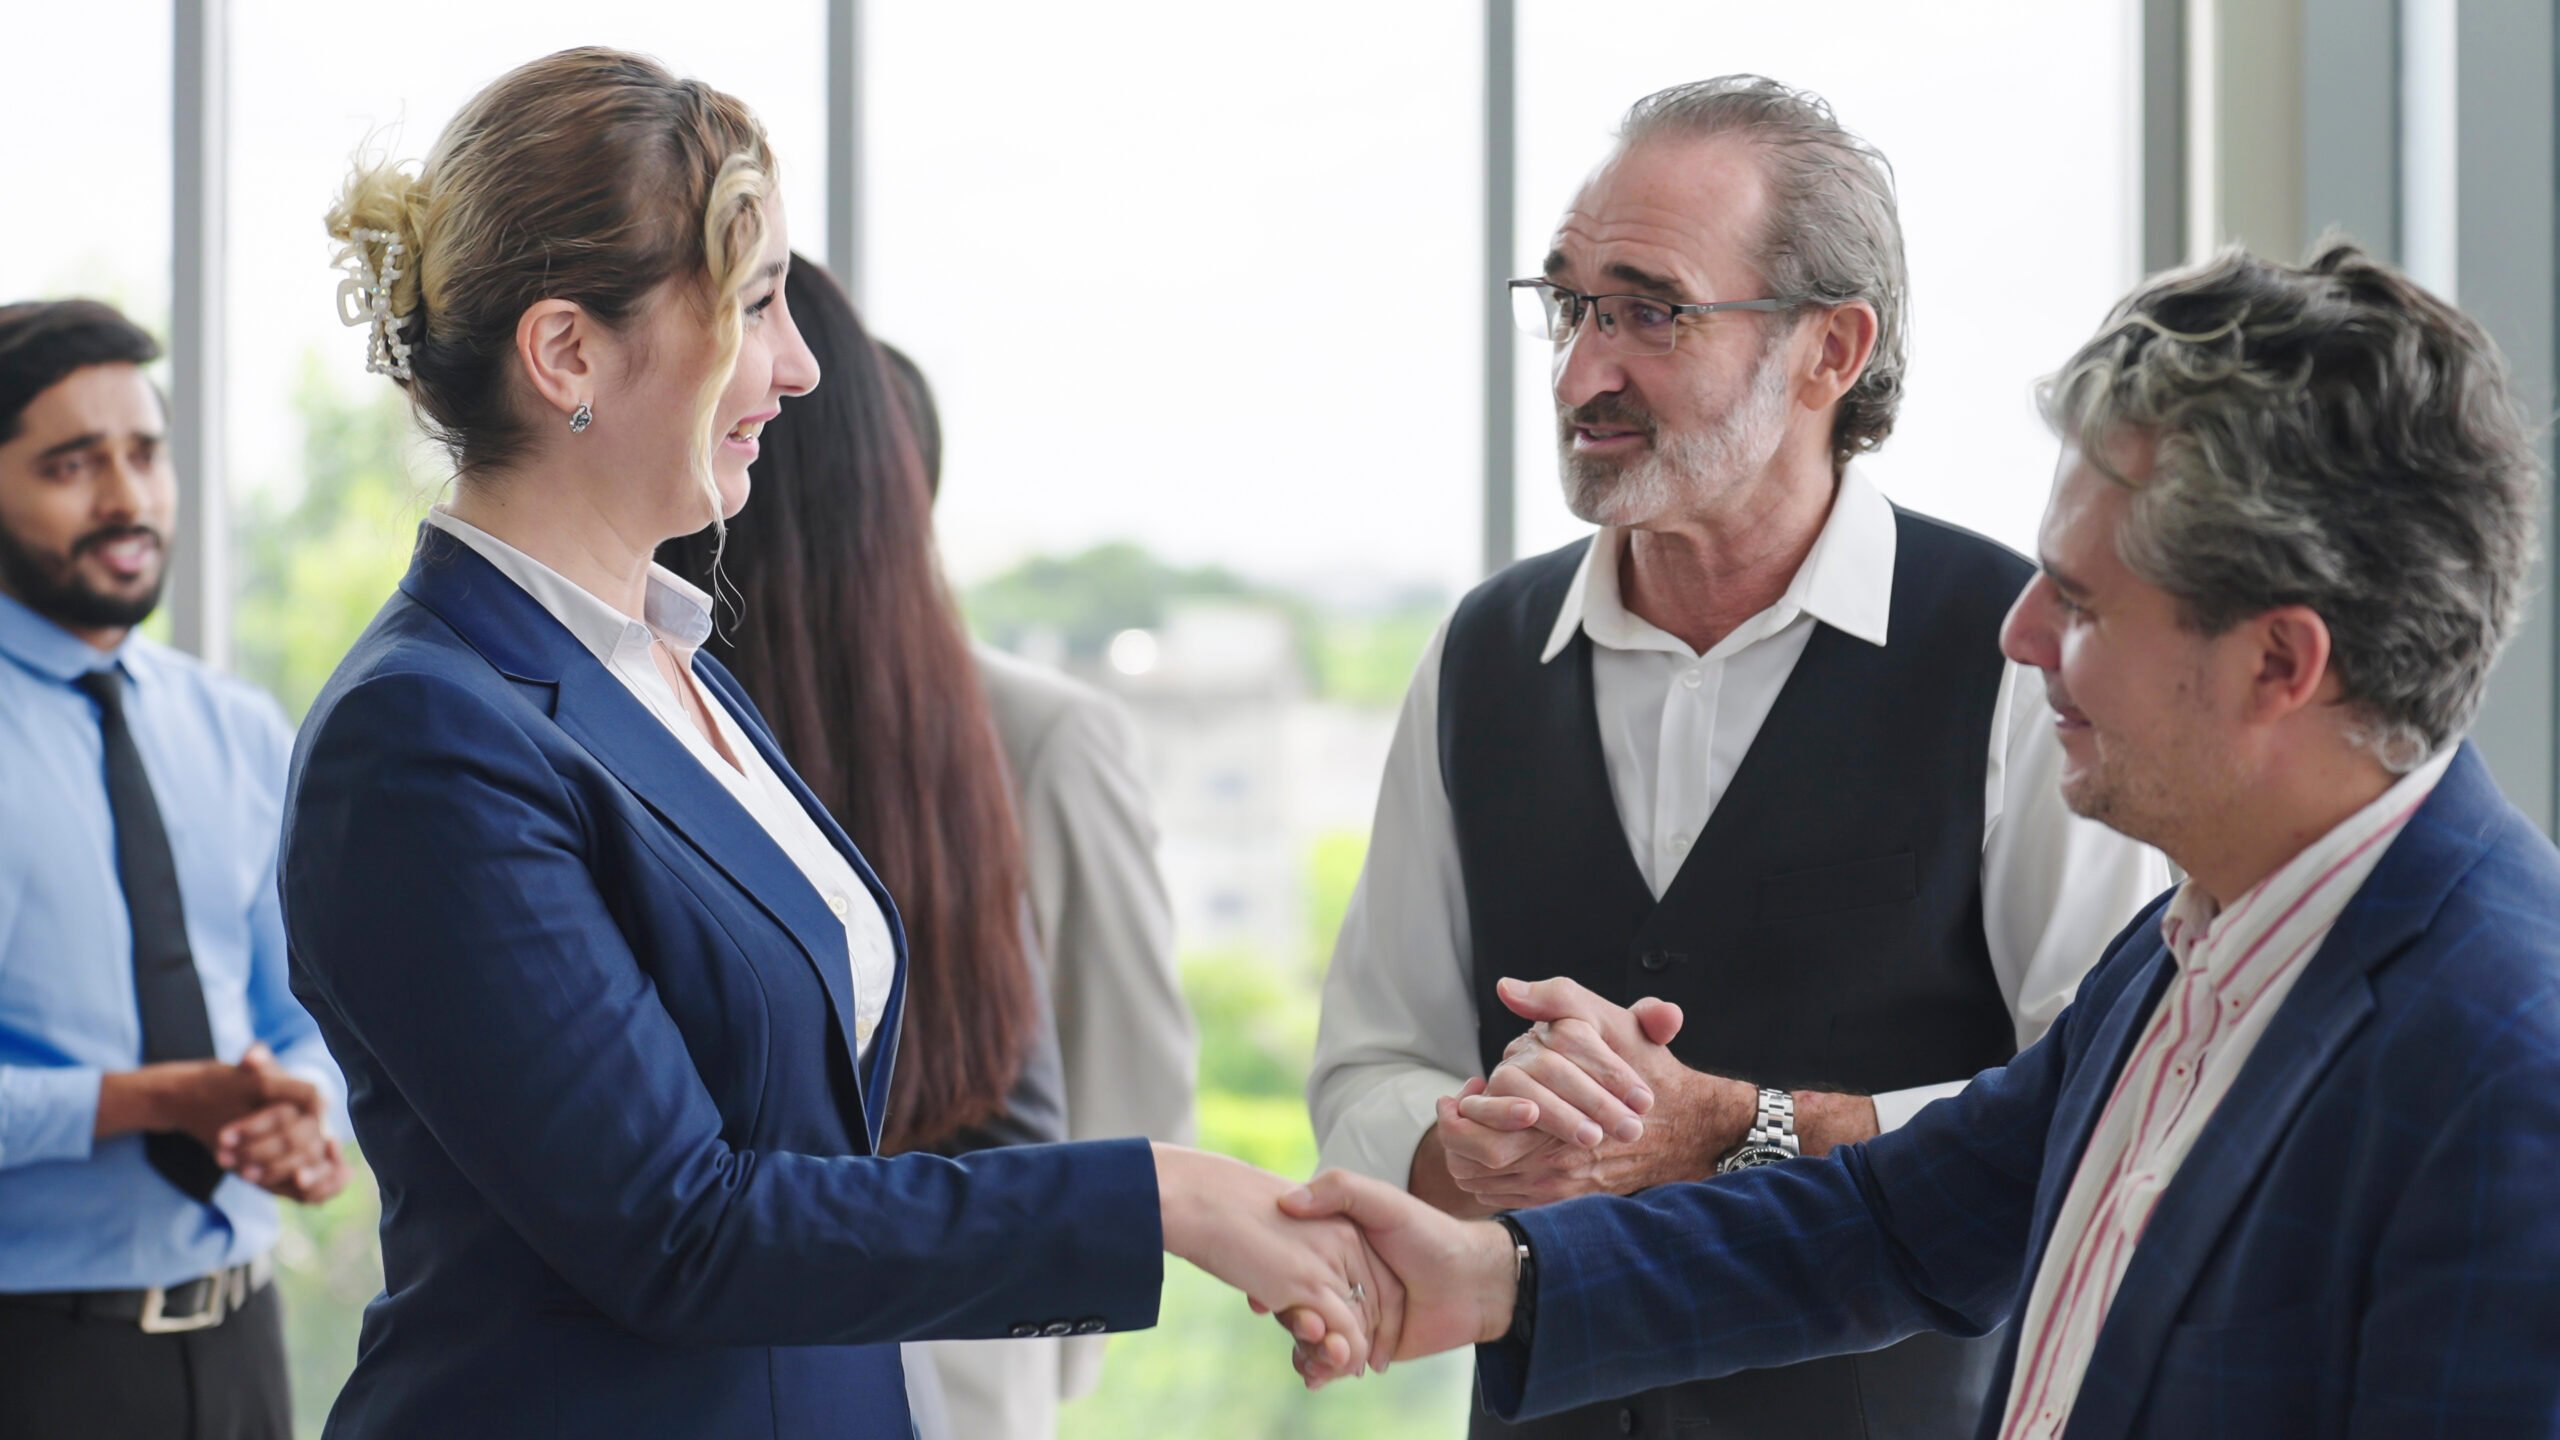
1772, 1136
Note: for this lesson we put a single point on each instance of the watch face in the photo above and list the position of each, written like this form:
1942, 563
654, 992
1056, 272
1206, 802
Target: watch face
1751, 1155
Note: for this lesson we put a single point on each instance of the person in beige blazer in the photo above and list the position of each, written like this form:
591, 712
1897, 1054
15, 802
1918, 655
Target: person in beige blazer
1104, 926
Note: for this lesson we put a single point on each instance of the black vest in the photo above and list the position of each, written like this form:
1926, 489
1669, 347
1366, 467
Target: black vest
1823, 933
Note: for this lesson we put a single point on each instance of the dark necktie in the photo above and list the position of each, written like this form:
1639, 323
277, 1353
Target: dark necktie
165, 988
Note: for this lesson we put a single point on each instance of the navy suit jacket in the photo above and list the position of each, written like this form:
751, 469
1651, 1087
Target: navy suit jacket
596, 1031
2365, 1241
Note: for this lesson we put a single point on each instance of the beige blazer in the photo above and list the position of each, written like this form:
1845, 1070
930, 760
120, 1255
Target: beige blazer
1124, 1033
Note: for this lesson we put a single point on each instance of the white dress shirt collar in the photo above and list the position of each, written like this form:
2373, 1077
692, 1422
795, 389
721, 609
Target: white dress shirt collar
678, 613
1846, 582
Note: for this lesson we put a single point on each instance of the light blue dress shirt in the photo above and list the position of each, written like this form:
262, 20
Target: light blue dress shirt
84, 1214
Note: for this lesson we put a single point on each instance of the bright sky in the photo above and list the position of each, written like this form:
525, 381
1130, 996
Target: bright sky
1205, 277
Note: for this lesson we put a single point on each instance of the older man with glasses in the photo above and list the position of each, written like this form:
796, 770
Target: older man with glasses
1751, 750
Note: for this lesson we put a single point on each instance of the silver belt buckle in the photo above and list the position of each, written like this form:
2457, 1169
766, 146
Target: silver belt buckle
217, 1287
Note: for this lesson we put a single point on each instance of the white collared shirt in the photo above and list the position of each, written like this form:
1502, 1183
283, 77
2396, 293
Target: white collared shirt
680, 618
2235, 968
1399, 1023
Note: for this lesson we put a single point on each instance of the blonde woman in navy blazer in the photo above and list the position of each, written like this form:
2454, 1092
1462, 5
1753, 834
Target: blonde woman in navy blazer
616, 1000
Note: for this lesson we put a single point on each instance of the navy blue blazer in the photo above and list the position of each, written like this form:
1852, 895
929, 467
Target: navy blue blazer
596, 1032
2365, 1241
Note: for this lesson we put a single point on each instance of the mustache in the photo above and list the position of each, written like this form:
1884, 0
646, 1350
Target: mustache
1608, 412
113, 533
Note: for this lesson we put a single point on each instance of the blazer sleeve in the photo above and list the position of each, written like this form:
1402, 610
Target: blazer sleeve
1922, 1228
443, 913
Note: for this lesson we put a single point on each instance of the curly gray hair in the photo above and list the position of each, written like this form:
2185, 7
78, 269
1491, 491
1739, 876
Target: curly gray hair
1833, 233
2332, 436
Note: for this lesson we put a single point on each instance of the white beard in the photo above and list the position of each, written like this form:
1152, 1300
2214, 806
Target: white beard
1681, 468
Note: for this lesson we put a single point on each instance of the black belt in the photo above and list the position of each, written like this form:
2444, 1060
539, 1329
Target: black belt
198, 1304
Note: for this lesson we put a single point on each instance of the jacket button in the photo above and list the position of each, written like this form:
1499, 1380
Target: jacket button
1626, 1420
1057, 1327
1023, 1332
1091, 1325
1659, 960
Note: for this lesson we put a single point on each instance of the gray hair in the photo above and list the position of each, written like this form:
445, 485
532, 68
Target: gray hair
1833, 233
2330, 436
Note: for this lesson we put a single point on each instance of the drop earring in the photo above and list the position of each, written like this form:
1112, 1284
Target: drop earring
581, 418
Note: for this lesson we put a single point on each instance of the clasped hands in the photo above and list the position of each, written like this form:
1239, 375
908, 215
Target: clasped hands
261, 1121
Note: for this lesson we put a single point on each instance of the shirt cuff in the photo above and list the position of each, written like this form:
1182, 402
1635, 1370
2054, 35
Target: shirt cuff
333, 1106
47, 1113
1376, 1136
1895, 1108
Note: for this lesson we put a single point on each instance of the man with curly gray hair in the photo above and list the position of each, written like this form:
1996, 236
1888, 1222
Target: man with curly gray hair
2284, 1166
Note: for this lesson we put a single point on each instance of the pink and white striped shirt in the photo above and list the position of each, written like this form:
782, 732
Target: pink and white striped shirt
2235, 967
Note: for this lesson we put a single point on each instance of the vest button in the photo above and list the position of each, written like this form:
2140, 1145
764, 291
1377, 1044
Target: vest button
1626, 1420
1658, 960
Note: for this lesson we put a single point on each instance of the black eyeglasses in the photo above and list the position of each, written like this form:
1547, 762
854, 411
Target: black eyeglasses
1637, 324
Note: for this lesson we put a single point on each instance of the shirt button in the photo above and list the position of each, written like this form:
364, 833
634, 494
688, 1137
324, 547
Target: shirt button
1679, 842
838, 905
1692, 678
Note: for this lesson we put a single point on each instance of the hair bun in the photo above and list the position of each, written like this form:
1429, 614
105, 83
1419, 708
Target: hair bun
376, 223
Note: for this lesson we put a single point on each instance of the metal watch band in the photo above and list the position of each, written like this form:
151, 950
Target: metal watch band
1776, 1122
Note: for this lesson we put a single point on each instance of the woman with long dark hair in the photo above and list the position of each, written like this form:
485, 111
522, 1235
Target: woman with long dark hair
837, 622
842, 630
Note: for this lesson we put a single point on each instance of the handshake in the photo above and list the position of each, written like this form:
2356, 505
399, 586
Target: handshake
1361, 1274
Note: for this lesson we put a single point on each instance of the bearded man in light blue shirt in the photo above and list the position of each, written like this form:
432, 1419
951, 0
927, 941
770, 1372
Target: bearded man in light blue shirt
158, 1083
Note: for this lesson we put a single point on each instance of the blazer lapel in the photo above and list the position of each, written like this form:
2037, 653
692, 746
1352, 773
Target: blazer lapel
884, 1049
515, 634
2329, 1004
2085, 1094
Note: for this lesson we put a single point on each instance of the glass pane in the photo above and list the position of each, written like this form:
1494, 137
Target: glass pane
327, 491
2014, 128
1200, 289
328, 483
88, 166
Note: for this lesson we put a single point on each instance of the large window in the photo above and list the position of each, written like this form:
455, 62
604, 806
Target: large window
85, 110
1201, 290
326, 487
2014, 130
1198, 287
328, 482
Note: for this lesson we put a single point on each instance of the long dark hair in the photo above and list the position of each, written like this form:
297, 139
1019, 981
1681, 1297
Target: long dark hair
847, 638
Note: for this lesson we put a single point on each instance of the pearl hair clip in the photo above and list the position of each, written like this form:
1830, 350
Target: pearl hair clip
364, 298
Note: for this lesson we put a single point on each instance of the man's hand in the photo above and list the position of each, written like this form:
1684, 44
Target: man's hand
1456, 1275
282, 1148
1589, 1101
1587, 1063
252, 1115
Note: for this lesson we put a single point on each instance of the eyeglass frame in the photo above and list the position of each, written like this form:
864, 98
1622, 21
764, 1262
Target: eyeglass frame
1588, 304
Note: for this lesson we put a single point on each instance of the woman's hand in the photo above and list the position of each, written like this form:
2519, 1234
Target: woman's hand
1334, 1296
1464, 1273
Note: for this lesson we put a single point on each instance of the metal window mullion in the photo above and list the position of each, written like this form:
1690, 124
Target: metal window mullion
844, 144
2164, 134
1501, 179
200, 570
